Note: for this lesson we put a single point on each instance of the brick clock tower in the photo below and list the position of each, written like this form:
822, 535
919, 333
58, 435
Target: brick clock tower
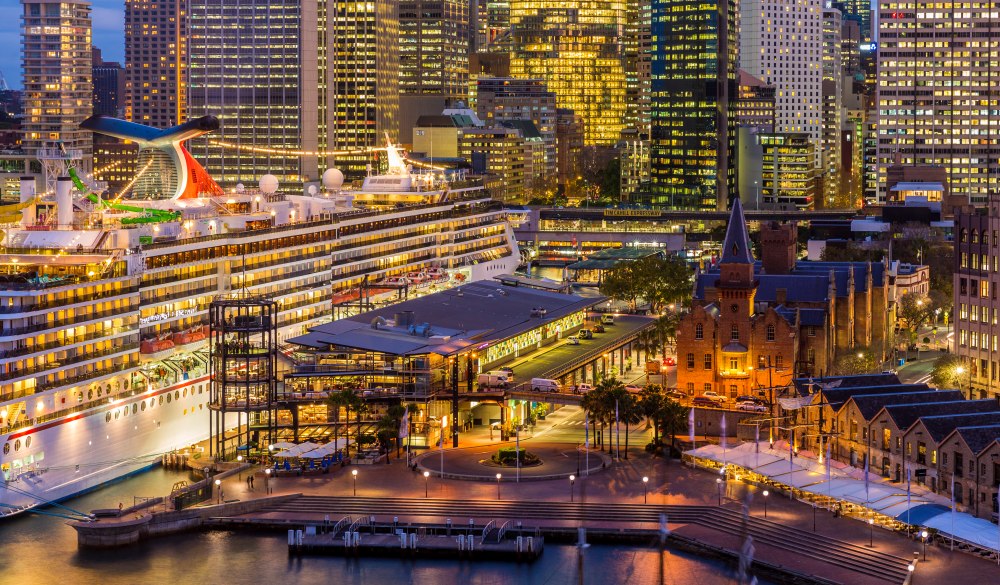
737, 288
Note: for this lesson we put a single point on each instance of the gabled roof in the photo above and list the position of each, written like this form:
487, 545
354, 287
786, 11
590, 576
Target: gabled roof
798, 288
951, 402
736, 247
855, 381
942, 425
980, 437
870, 405
836, 397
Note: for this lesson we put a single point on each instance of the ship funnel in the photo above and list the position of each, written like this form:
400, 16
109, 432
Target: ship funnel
64, 201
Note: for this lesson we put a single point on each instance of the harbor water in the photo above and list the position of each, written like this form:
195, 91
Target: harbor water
41, 550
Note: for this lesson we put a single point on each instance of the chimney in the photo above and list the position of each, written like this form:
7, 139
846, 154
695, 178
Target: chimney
64, 202
778, 242
780, 296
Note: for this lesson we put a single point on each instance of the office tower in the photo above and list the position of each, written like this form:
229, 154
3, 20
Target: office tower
509, 99
693, 82
578, 49
754, 111
298, 86
833, 113
934, 105
57, 84
491, 23
108, 85
156, 37
633, 149
637, 65
781, 42
975, 306
859, 11
434, 48
569, 147
850, 48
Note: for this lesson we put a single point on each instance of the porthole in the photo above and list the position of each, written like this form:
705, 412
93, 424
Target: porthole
6, 448
17, 445
117, 413
185, 412
99, 392
27, 442
144, 406
90, 394
200, 388
201, 407
177, 394
161, 400
185, 392
107, 417
168, 398
125, 411
135, 408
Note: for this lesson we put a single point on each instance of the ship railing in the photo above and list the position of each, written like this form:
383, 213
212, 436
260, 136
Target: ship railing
70, 380
63, 363
68, 300
74, 320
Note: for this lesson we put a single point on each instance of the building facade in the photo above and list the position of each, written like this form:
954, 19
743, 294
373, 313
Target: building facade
693, 84
434, 40
579, 50
156, 38
509, 99
922, 118
58, 92
108, 80
299, 86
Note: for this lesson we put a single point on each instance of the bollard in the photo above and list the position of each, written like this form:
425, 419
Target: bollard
461, 543
395, 521
357, 539
472, 542
298, 538
402, 540
531, 544
447, 522
291, 538
520, 542
413, 540
371, 522
347, 539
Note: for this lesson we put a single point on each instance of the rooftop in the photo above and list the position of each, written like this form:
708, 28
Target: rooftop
904, 415
900, 405
474, 314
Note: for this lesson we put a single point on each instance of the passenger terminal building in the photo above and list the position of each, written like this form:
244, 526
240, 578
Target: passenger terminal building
427, 351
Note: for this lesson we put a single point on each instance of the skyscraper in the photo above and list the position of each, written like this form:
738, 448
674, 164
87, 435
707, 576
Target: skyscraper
156, 37
859, 11
637, 65
833, 112
299, 86
578, 49
694, 81
937, 106
491, 23
781, 42
504, 99
108, 85
57, 80
434, 47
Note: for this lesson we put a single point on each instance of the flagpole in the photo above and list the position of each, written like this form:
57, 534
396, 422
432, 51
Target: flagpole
586, 443
907, 498
791, 464
953, 512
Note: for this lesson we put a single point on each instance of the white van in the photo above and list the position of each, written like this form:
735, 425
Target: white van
544, 385
503, 373
492, 380
607, 319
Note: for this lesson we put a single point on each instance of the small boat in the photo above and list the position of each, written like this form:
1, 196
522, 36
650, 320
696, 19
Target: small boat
416, 277
436, 274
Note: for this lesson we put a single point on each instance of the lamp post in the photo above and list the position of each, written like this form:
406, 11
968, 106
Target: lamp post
267, 480
498, 486
718, 482
572, 480
427, 474
645, 483
354, 473
218, 487
765, 503
239, 461
923, 537
871, 532
814, 517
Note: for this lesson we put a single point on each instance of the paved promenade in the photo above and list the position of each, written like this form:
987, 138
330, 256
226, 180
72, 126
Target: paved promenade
836, 548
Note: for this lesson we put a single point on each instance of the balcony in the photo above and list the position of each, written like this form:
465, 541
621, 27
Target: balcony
6, 310
74, 320
63, 363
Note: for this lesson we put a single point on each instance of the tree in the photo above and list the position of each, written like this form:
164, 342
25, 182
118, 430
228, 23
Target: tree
350, 400
949, 371
666, 330
859, 360
648, 342
914, 311
593, 404
652, 401
674, 417
657, 280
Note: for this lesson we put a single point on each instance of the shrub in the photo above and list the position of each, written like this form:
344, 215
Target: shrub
507, 456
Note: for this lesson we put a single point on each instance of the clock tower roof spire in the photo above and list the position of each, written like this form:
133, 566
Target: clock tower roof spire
736, 247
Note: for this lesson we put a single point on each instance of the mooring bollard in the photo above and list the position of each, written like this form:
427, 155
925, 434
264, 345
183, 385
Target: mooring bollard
291, 538
461, 543
413, 540
347, 539
472, 542
447, 522
531, 544
520, 542
357, 539
402, 540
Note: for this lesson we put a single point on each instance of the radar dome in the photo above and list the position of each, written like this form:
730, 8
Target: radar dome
269, 184
311, 189
333, 179
240, 187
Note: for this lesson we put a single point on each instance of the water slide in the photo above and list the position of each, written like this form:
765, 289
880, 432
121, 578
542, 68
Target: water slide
148, 215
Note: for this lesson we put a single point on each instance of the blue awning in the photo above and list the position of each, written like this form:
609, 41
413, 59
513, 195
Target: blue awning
919, 515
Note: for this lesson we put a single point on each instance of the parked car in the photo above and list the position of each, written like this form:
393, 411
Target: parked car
608, 319
711, 395
573, 340
633, 388
503, 373
670, 362
745, 398
676, 394
492, 380
544, 385
598, 328
583, 388
586, 334
706, 402
751, 406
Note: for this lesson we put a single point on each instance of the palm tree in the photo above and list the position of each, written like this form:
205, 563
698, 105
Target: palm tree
609, 392
350, 400
652, 401
629, 412
333, 404
593, 404
674, 418
666, 330
647, 342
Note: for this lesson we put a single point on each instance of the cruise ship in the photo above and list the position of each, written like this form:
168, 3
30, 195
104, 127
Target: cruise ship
104, 301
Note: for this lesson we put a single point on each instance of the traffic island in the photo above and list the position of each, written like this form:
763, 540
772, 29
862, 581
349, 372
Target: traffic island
546, 462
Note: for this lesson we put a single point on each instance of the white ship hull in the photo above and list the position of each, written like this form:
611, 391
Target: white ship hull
75, 454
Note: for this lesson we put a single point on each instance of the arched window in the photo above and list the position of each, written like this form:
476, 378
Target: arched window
975, 236
964, 235
770, 332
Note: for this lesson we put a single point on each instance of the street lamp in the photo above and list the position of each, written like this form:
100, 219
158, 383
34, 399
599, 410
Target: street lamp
218, 486
923, 536
645, 482
498, 486
572, 480
239, 461
427, 474
718, 482
765, 503
267, 480
354, 472
871, 532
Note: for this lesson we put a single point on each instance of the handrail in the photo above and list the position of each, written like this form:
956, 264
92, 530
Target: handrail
486, 530
503, 530
346, 520
362, 520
